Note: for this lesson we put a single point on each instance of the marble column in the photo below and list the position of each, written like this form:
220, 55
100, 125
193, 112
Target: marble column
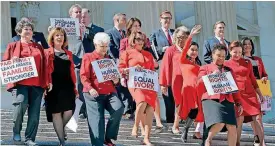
5, 25
208, 12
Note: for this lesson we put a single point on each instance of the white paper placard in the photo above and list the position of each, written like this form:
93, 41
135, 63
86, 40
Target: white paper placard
70, 25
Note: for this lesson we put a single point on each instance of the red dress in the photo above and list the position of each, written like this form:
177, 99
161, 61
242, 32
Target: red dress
170, 73
247, 84
190, 99
131, 58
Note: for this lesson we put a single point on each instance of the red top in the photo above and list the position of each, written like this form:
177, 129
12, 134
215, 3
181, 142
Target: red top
88, 76
49, 53
202, 92
22, 50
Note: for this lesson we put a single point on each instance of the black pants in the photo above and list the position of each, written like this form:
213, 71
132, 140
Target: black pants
126, 97
169, 106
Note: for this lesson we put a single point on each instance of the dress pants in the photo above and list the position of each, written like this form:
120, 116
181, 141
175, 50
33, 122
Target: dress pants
169, 106
96, 117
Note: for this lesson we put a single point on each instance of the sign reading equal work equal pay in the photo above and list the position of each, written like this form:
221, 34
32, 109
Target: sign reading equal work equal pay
105, 70
220, 83
17, 69
143, 79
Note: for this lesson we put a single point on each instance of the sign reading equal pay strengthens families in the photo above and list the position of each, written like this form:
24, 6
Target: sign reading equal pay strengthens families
17, 69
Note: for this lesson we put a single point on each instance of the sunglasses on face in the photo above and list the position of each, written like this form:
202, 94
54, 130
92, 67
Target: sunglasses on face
139, 39
181, 37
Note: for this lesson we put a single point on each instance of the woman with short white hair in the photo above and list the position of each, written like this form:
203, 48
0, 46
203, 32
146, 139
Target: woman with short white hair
100, 96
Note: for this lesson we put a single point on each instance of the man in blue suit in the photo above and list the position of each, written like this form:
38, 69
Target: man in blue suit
219, 27
37, 37
116, 34
88, 32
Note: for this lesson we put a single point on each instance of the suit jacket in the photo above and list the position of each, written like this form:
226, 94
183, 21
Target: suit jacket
207, 49
159, 39
89, 34
85, 45
114, 45
37, 37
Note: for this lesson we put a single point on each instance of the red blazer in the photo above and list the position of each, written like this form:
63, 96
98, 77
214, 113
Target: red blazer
49, 53
14, 49
261, 67
202, 92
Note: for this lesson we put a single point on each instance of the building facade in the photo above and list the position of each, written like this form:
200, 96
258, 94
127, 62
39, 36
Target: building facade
246, 18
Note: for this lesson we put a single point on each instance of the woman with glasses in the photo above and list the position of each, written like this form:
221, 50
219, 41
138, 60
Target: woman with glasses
145, 99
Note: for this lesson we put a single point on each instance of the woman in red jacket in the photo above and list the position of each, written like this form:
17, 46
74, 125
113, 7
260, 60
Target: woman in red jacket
60, 101
145, 99
218, 109
259, 73
189, 65
248, 89
27, 93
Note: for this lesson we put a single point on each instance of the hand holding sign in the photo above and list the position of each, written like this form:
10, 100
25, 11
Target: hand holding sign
116, 80
264, 80
123, 82
93, 93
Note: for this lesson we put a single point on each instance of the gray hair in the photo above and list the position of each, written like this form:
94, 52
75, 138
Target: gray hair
117, 16
74, 6
180, 29
101, 37
85, 10
21, 24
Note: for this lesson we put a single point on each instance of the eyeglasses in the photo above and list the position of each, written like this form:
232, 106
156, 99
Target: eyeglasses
166, 18
139, 39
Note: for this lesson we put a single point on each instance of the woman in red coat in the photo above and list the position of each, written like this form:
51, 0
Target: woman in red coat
145, 99
218, 109
248, 89
259, 73
27, 93
189, 66
60, 101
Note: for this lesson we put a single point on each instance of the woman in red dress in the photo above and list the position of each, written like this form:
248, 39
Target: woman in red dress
248, 87
190, 65
145, 99
259, 73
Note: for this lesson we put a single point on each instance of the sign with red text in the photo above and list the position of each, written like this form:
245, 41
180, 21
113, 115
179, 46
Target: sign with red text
17, 69
220, 83
143, 79
70, 25
105, 70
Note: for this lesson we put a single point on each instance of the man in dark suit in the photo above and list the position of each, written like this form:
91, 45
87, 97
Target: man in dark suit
37, 37
84, 45
161, 39
219, 27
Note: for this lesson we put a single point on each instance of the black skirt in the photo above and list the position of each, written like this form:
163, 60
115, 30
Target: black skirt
62, 96
216, 112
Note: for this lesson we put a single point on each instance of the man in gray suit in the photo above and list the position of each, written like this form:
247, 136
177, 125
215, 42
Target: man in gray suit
162, 39
84, 45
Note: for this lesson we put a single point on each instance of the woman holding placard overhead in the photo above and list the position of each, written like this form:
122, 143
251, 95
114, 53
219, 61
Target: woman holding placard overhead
218, 109
145, 99
100, 95
259, 73
60, 101
27, 93
248, 88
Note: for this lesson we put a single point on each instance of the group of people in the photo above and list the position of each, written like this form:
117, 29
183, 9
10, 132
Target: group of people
65, 73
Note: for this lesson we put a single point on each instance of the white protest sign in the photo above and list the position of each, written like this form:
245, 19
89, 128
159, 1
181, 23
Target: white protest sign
73, 123
70, 25
18, 69
220, 83
267, 104
143, 79
105, 70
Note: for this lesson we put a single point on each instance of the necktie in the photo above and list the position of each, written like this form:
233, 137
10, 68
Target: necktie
121, 33
222, 41
168, 38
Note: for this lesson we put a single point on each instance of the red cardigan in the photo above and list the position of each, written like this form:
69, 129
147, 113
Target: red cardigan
49, 53
14, 50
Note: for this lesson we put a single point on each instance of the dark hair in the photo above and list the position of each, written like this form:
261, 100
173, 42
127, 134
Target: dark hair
130, 24
198, 61
252, 44
234, 44
218, 47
